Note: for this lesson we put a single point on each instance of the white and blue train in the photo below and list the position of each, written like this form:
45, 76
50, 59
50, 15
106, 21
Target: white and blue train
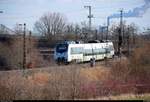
81, 52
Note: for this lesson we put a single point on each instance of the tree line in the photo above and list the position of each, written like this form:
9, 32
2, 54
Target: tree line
53, 28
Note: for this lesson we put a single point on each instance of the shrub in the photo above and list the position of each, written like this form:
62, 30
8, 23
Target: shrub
11, 55
133, 72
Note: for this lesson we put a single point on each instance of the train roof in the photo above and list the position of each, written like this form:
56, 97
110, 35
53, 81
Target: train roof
81, 42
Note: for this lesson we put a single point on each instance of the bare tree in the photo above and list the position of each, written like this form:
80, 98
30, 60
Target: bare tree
128, 38
69, 29
72, 32
133, 30
51, 24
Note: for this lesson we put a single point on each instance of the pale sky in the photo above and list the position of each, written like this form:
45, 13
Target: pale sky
29, 11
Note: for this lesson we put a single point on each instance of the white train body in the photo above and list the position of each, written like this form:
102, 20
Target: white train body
83, 52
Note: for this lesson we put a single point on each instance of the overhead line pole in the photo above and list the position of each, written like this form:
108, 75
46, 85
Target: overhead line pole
90, 16
24, 47
120, 32
108, 19
106, 40
30, 35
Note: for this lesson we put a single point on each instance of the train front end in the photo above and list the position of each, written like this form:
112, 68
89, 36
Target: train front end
61, 53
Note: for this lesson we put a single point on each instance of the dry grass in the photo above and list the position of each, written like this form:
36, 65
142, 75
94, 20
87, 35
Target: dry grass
125, 97
133, 72
95, 74
79, 81
47, 83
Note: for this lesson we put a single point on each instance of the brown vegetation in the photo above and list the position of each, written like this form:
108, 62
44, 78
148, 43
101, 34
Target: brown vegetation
69, 82
11, 55
50, 83
132, 73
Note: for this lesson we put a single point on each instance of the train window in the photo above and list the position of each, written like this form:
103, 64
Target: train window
111, 47
88, 52
96, 50
77, 50
107, 50
102, 51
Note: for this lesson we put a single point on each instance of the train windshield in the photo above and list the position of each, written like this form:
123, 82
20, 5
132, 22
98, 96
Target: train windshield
60, 48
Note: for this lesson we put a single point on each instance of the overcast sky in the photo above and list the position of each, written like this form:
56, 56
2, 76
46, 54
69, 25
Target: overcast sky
28, 11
